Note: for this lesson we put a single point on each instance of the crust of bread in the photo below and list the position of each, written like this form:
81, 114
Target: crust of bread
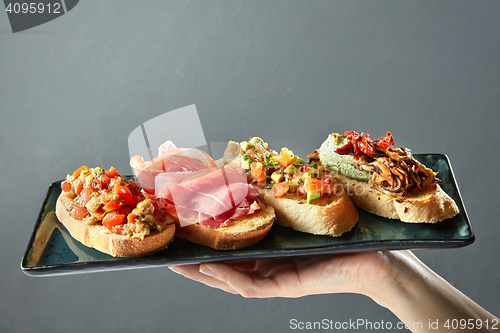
430, 206
100, 238
332, 216
244, 232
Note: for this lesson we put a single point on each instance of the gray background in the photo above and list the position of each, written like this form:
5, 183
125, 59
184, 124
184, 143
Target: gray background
72, 90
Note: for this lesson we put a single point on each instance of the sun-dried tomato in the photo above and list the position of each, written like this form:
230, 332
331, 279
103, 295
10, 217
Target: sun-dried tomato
357, 145
384, 143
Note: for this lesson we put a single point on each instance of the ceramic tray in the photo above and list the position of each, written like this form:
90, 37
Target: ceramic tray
52, 251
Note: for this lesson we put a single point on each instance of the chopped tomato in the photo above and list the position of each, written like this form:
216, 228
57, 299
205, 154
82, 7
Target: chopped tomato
78, 212
86, 194
99, 214
280, 189
112, 205
327, 187
117, 229
131, 218
66, 186
133, 185
104, 180
124, 210
127, 196
113, 219
96, 185
78, 171
112, 173
79, 188
150, 196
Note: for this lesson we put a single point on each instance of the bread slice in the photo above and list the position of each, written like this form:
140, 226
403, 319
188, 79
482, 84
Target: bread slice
332, 215
100, 238
429, 206
246, 231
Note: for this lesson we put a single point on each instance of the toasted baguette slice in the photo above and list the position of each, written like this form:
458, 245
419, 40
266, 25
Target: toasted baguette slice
100, 238
332, 215
430, 206
246, 231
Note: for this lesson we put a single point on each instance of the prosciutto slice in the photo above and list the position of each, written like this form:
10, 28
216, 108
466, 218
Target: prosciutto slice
187, 182
179, 162
221, 195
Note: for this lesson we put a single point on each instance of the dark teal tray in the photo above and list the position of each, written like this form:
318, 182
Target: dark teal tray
52, 251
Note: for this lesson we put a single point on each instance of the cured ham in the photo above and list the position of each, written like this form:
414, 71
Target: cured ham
192, 187
182, 162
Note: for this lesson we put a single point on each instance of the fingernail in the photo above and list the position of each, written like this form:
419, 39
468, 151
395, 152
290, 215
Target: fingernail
174, 269
205, 270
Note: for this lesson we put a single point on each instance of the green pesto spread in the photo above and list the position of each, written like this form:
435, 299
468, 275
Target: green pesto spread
339, 163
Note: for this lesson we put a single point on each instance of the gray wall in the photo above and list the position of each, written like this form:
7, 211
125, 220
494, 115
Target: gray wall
71, 91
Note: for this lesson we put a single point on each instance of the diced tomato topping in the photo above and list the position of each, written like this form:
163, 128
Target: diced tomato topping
133, 185
79, 188
117, 229
280, 189
113, 219
86, 194
78, 171
131, 218
96, 185
104, 180
78, 212
66, 186
327, 187
112, 173
150, 196
99, 214
112, 205
127, 196
124, 210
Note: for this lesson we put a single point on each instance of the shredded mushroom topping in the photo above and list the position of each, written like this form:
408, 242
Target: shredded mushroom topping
393, 169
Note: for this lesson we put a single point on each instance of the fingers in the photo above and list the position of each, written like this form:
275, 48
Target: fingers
192, 272
251, 284
243, 265
293, 276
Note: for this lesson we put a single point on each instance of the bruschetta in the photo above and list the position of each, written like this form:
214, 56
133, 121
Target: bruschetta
385, 181
102, 210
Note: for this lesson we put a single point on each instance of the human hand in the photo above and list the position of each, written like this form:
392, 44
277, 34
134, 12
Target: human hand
396, 280
298, 276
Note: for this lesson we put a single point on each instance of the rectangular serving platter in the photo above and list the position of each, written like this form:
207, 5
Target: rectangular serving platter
52, 251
